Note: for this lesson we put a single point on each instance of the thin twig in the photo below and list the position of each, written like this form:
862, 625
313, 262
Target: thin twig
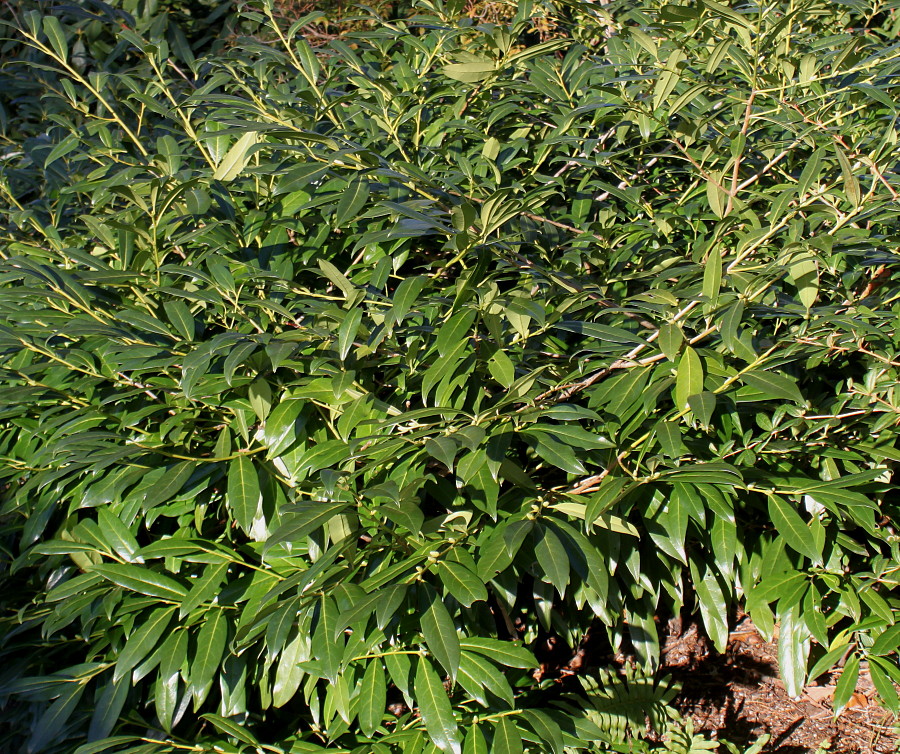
735, 173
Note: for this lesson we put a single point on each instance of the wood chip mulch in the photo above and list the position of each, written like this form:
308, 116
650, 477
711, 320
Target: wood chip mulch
738, 696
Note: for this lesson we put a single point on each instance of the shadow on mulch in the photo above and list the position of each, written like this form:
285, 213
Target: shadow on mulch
739, 696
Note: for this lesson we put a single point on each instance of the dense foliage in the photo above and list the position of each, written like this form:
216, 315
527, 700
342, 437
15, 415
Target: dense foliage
334, 384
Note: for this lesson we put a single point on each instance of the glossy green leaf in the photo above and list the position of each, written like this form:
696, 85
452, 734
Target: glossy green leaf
846, 684
671, 339
552, 556
119, 537
243, 494
109, 707
353, 199
439, 632
506, 653
207, 656
347, 332
689, 379
507, 739
464, 585
373, 697
142, 641
475, 742
773, 385
435, 708
793, 528
142, 580
204, 588
327, 644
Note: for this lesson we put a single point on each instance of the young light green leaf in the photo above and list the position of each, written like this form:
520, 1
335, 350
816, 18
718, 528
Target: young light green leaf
469, 73
237, 158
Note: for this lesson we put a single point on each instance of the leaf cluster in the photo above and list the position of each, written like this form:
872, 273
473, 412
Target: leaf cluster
335, 381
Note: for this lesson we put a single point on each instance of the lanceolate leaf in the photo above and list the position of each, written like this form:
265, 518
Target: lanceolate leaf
552, 557
773, 385
236, 159
506, 653
507, 737
793, 528
303, 519
142, 580
210, 647
373, 697
142, 641
435, 708
464, 585
439, 631
689, 379
244, 497
475, 742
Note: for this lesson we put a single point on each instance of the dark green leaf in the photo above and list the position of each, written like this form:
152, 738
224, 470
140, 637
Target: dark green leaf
435, 709
373, 697
464, 585
794, 529
142, 580
439, 631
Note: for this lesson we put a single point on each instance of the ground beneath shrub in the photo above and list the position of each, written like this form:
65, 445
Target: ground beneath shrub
739, 697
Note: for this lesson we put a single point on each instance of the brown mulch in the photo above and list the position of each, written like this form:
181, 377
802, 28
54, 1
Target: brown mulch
738, 696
